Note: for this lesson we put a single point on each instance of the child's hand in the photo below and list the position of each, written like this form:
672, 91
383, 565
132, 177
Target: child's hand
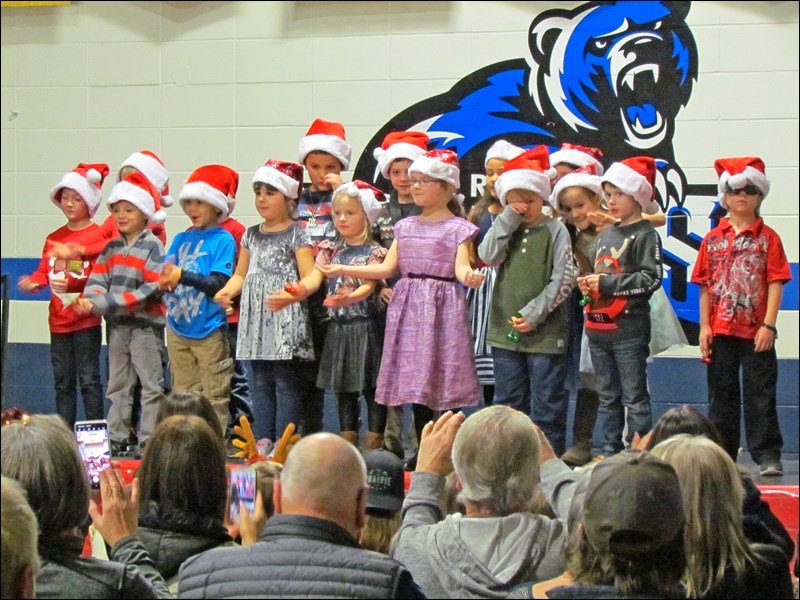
170, 277
83, 307
340, 298
473, 279
279, 300
64, 251
59, 284
601, 219
520, 324
765, 339
297, 290
705, 339
331, 271
26, 284
590, 284
223, 299
332, 180
518, 207
386, 295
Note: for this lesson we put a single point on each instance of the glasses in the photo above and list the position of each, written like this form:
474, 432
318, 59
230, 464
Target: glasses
750, 190
423, 182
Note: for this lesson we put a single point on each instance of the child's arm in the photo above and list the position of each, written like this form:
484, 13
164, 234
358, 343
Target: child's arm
280, 299
494, 247
464, 272
342, 297
38, 279
645, 280
706, 336
765, 337
233, 288
92, 246
383, 270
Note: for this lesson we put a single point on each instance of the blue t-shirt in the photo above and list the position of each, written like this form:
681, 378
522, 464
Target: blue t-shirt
190, 312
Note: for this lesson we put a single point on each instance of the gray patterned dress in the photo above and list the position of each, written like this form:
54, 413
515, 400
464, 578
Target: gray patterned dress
263, 334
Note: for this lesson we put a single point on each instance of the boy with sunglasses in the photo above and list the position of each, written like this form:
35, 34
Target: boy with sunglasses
741, 268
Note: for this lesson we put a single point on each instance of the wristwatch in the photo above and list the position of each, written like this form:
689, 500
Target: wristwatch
772, 328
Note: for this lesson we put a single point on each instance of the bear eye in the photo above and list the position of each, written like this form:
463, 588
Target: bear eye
600, 44
657, 25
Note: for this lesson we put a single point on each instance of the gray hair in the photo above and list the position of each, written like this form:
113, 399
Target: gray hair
496, 458
42, 455
19, 534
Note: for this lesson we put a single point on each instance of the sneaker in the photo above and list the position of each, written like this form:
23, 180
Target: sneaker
411, 463
578, 455
119, 448
771, 469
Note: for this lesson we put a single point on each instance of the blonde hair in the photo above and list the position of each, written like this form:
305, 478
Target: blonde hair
712, 502
341, 193
379, 530
20, 532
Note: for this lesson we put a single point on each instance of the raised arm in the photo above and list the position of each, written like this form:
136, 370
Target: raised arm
382, 270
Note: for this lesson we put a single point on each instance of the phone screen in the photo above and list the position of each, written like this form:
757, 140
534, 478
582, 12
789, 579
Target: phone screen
94, 447
242, 489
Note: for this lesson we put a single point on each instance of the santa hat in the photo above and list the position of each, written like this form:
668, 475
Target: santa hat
525, 172
370, 197
86, 179
502, 150
736, 172
137, 189
286, 177
212, 184
148, 163
580, 156
325, 136
400, 144
585, 177
635, 176
442, 165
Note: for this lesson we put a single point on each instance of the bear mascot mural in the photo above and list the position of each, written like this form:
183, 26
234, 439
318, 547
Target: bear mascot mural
613, 75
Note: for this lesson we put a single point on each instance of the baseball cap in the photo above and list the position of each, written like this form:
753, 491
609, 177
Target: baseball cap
385, 479
633, 504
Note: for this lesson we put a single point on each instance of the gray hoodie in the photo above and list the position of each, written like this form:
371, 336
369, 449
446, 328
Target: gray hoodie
473, 557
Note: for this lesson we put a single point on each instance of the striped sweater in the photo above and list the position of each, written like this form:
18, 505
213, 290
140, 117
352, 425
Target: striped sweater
123, 285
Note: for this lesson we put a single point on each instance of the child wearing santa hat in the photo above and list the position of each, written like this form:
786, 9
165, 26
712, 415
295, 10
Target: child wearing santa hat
199, 263
124, 287
527, 317
742, 268
627, 270
75, 339
351, 355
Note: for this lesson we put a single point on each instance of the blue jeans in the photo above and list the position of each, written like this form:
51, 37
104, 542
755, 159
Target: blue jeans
240, 403
76, 358
620, 372
534, 384
280, 385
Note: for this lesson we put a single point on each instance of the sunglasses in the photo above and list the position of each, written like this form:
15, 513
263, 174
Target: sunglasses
750, 190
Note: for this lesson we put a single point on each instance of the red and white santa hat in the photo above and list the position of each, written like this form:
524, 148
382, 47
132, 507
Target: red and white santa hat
213, 184
86, 179
635, 176
502, 150
528, 171
440, 164
284, 176
579, 156
585, 177
137, 189
325, 136
736, 172
400, 144
371, 197
149, 164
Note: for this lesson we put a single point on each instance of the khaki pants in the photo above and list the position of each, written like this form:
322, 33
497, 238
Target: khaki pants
203, 366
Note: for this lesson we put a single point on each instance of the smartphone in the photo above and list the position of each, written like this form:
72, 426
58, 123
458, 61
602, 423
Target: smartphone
95, 449
242, 489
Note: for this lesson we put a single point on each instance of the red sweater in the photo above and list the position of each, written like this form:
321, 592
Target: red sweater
236, 229
108, 231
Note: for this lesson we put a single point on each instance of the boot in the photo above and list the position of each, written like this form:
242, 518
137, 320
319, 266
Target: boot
350, 436
586, 406
579, 454
374, 441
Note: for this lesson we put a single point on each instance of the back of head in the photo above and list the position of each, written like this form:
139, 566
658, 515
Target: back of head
683, 419
183, 469
266, 474
19, 540
42, 455
188, 403
496, 458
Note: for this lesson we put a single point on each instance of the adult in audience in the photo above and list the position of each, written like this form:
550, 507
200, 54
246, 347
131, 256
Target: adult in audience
497, 543
386, 480
19, 533
188, 403
309, 547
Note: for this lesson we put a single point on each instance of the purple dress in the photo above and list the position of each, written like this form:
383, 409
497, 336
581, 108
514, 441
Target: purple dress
427, 351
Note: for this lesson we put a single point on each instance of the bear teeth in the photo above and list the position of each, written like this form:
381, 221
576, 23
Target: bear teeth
630, 76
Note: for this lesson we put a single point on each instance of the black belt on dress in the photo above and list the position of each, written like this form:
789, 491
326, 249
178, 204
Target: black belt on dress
436, 277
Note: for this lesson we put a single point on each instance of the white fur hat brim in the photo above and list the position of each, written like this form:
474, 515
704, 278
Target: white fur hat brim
333, 145
426, 165
149, 167
739, 180
372, 208
75, 181
199, 190
571, 156
502, 150
288, 186
400, 150
522, 179
633, 183
584, 180
140, 198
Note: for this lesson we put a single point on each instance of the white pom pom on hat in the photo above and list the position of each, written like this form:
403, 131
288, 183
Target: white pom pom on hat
86, 179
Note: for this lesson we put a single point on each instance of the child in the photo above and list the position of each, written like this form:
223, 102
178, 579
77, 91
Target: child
741, 268
483, 215
199, 263
324, 153
626, 273
123, 286
74, 338
533, 256
351, 356
427, 330
274, 253
395, 155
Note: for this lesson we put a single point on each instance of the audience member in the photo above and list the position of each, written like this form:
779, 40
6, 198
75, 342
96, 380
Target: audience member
497, 543
188, 403
309, 548
19, 534
386, 479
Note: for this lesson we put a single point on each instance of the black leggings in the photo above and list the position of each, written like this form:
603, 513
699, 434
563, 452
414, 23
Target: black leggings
350, 411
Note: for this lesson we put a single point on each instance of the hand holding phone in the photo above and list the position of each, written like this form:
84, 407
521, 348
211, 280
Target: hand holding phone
242, 489
94, 447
